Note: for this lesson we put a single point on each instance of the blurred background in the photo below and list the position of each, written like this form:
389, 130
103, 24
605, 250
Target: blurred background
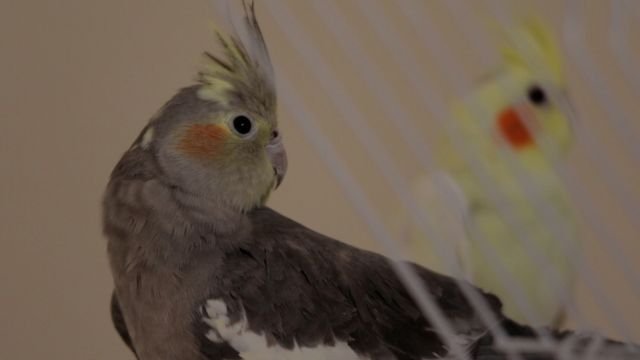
79, 79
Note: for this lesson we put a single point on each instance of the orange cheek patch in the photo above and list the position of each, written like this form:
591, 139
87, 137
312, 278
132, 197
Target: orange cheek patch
202, 141
513, 129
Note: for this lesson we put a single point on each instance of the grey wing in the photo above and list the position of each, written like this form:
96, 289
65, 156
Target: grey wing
118, 322
291, 291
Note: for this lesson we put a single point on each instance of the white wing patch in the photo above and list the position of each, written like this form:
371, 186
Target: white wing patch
447, 206
253, 346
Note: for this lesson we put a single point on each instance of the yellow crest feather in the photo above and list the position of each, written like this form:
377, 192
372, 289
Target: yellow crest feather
245, 68
533, 47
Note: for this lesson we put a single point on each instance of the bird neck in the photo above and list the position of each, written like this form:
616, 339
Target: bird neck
209, 211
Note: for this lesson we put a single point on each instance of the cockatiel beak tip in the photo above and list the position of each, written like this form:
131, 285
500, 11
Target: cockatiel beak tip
278, 157
279, 178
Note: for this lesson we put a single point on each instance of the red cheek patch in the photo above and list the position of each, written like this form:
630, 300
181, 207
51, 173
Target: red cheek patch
202, 140
513, 129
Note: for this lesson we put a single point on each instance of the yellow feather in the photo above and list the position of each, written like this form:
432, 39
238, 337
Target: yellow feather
533, 47
215, 90
505, 192
243, 67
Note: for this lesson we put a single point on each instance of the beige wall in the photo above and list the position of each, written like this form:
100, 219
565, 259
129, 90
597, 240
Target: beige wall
78, 80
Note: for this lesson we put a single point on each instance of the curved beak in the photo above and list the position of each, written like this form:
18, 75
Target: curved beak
278, 156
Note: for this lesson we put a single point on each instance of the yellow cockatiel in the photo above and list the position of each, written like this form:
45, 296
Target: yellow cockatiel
503, 217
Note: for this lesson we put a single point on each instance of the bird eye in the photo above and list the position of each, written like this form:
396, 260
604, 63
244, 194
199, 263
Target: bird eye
242, 125
537, 95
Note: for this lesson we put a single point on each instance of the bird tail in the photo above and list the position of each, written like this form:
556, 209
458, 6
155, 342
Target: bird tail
572, 344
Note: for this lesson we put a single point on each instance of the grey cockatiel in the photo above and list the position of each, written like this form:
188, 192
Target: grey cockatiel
204, 271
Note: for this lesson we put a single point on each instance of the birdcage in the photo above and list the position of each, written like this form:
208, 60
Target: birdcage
383, 75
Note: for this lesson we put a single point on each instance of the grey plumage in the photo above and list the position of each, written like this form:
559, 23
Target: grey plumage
118, 322
295, 285
299, 287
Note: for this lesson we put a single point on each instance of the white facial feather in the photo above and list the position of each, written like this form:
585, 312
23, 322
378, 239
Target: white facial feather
146, 138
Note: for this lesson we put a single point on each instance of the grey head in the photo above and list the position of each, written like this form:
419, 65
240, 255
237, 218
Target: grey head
219, 140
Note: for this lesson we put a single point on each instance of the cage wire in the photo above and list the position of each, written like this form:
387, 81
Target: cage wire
610, 150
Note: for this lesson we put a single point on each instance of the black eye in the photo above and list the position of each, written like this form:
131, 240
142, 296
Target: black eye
242, 124
536, 95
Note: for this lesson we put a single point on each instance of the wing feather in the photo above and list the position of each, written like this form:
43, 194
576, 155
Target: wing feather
447, 248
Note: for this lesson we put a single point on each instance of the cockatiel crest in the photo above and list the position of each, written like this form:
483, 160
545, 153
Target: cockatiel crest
218, 140
532, 46
245, 73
